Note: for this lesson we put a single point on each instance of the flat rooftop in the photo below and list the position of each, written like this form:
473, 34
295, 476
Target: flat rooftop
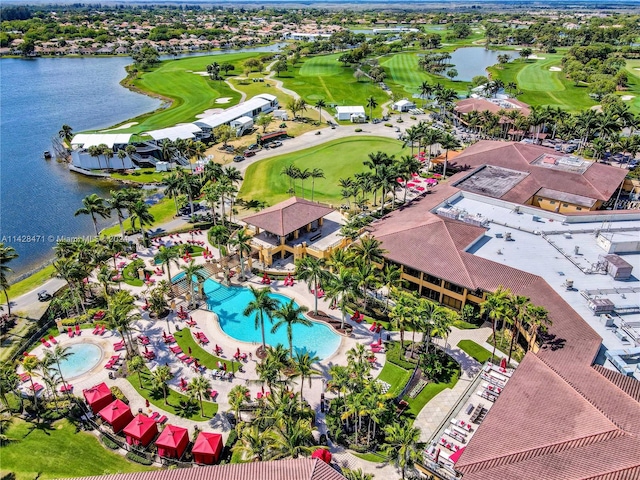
558, 252
492, 181
567, 163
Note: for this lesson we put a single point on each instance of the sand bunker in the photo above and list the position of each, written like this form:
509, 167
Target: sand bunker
555, 69
211, 111
202, 74
626, 98
535, 57
122, 127
223, 100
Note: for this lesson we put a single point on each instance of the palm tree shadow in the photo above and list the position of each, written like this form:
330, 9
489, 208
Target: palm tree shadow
44, 425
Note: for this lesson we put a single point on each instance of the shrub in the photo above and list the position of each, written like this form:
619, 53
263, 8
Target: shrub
412, 117
231, 441
358, 129
119, 395
358, 448
388, 125
134, 457
395, 355
109, 443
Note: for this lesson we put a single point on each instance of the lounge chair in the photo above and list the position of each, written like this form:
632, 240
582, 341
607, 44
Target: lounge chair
45, 343
70, 332
176, 349
36, 387
96, 331
213, 394
373, 327
24, 377
154, 416
78, 332
189, 360
162, 419
52, 339
103, 329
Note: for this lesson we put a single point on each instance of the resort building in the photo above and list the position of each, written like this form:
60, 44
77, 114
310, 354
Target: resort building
353, 113
291, 469
493, 105
571, 409
533, 175
81, 151
295, 228
403, 105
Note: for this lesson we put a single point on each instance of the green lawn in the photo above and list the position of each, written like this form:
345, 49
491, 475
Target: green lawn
252, 89
58, 452
474, 350
540, 86
190, 93
143, 175
173, 398
427, 393
338, 159
185, 339
503, 344
163, 211
395, 376
405, 76
324, 78
29, 283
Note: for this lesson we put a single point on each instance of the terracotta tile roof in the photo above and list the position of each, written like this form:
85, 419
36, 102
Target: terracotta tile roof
292, 469
480, 104
598, 181
629, 385
285, 217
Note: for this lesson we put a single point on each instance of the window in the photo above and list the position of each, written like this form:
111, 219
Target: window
565, 204
431, 294
453, 288
552, 202
432, 279
411, 271
451, 302
412, 286
578, 208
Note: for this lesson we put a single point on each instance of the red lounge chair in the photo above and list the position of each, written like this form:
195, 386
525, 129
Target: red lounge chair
45, 343
155, 416
96, 331
103, 329
24, 377
118, 346
70, 332
189, 360
36, 387
162, 419
52, 339
259, 395
213, 394
373, 327
183, 358
78, 329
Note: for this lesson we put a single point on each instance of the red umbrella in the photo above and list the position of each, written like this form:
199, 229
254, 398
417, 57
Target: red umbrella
322, 454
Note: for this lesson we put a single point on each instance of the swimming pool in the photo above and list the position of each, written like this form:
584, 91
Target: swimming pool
84, 357
229, 303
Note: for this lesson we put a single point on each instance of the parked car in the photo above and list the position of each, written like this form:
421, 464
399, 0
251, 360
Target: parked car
44, 296
238, 158
253, 146
275, 144
249, 153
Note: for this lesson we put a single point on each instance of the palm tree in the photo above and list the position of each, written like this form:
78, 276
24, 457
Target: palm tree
310, 270
315, 173
66, 133
241, 241
401, 313
94, 205
120, 203
303, 175
320, 104
539, 320
369, 249
371, 104
8, 382
136, 365
255, 445
220, 236
167, 151
191, 271
402, 445
198, 387
391, 277
6, 255
120, 314
448, 142
140, 212
121, 156
172, 184
58, 354
160, 377
304, 367
342, 289
358, 474
30, 364
495, 307
166, 256
237, 397
71, 272
262, 305
426, 89
289, 314
295, 438
292, 172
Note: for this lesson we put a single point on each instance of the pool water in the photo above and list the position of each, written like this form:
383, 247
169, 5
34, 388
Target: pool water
229, 303
84, 357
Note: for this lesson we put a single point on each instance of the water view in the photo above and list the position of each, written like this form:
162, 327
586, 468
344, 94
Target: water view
473, 61
38, 96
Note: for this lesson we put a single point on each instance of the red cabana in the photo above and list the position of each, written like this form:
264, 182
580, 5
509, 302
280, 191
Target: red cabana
207, 448
172, 441
141, 430
117, 414
455, 456
98, 397
322, 454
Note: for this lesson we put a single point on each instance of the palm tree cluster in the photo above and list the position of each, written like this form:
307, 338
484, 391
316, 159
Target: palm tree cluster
425, 136
294, 173
362, 416
516, 313
281, 424
296, 105
218, 186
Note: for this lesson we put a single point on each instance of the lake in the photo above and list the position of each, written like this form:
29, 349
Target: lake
38, 197
473, 61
